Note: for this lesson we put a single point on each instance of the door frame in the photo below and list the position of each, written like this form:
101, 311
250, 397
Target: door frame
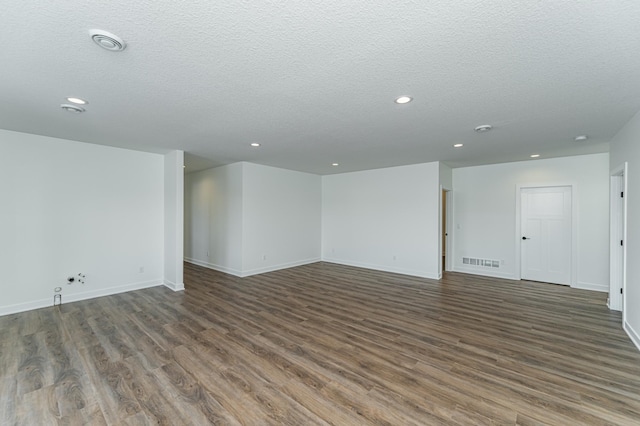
618, 279
573, 281
448, 223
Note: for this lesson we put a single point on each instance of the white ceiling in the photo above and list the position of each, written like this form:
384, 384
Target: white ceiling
314, 81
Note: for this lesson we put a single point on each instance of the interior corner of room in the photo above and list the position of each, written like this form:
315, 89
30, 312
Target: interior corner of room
120, 221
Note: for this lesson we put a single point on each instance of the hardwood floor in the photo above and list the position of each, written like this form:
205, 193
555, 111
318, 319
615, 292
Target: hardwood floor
323, 344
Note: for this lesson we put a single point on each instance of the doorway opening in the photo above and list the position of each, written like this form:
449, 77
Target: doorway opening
444, 230
446, 220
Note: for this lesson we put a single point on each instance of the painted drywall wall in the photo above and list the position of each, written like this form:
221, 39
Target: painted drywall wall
281, 218
385, 219
485, 213
70, 207
251, 218
173, 219
446, 176
213, 218
625, 147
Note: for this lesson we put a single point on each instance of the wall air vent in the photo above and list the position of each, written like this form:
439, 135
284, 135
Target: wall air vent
483, 263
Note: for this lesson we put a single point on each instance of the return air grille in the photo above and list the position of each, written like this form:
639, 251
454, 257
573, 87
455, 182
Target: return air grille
483, 263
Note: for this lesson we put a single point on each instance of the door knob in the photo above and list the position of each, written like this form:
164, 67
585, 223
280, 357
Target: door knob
525, 238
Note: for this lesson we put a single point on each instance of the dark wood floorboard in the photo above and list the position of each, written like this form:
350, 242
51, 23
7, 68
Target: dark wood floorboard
323, 344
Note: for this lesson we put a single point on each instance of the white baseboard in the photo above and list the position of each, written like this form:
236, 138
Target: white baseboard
213, 266
250, 272
272, 268
27, 306
484, 273
173, 286
75, 297
594, 287
633, 335
383, 268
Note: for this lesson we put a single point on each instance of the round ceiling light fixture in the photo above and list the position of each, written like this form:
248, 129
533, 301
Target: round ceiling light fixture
107, 41
581, 138
458, 145
77, 101
255, 144
535, 155
483, 128
335, 164
404, 99
72, 108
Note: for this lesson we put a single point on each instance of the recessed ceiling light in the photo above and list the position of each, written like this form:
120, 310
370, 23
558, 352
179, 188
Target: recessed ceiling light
255, 144
458, 145
404, 99
581, 138
72, 108
77, 101
108, 41
535, 155
335, 164
483, 128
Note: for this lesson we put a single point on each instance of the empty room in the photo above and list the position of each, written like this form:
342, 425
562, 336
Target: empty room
342, 213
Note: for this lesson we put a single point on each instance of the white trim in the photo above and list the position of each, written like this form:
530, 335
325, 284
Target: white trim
617, 301
592, 286
449, 219
450, 232
173, 286
484, 273
215, 267
75, 297
381, 268
440, 241
250, 272
288, 265
574, 227
633, 335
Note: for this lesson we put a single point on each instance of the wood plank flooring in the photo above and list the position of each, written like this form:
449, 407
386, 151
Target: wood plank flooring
323, 344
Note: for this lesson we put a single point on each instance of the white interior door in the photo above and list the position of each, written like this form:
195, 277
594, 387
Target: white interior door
618, 214
546, 234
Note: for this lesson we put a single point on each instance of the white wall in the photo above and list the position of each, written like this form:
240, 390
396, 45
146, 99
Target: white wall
252, 218
173, 219
385, 219
281, 218
70, 207
625, 146
485, 213
213, 218
446, 176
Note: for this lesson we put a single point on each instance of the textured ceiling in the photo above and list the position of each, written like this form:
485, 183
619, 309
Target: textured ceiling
314, 81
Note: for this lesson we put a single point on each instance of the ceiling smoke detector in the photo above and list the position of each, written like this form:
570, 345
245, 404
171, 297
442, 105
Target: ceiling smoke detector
483, 128
108, 41
72, 108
